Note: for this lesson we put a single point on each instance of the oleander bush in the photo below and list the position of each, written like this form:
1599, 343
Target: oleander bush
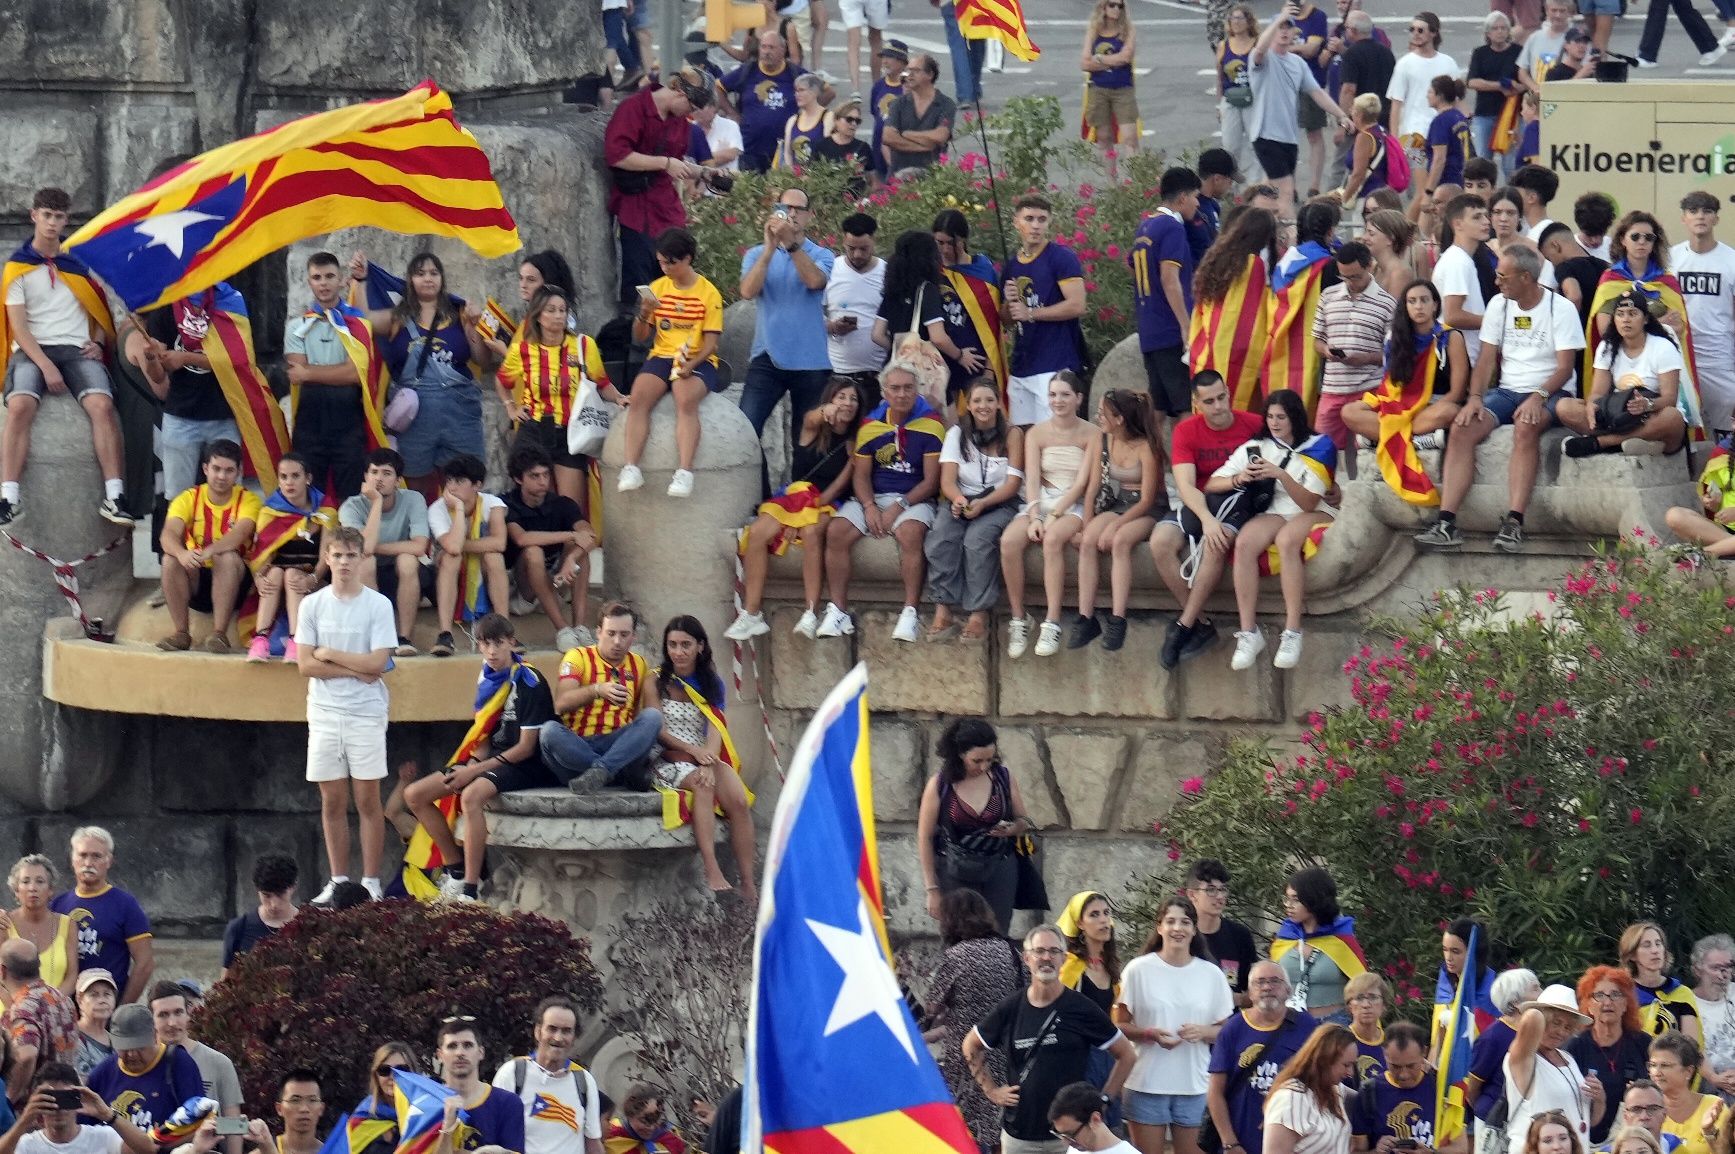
328, 988
1556, 774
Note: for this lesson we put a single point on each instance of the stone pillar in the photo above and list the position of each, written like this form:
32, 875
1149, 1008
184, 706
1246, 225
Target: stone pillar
51, 758
669, 555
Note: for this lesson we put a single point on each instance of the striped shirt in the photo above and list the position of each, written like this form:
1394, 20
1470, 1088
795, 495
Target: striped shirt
1354, 324
684, 316
586, 667
204, 521
543, 378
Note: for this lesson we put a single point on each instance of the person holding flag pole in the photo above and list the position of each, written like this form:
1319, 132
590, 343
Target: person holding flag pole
1456, 1027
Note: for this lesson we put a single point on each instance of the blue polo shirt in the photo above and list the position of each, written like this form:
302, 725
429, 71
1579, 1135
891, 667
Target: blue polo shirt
789, 325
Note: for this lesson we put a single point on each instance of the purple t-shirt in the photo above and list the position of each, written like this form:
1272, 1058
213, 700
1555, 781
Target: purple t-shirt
104, 925
1251, 1058
1045, 346
498, 1121
1161, 237
1452, 129
1309, 26
766, 102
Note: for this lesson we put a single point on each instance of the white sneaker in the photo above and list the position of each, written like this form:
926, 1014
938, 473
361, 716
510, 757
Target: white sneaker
323, 898
630, 479
1048, 639
836, 622
1017, 636
1728, 40
1714, 55
1362, 442
1643, 63
747, 626
373, 887
909, 625
1248, 647
1288, 649
681, 484
451, 888
522, 606
565, 639
808, 626
1428, 441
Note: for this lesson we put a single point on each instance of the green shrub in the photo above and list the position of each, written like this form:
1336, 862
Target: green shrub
1556, 775
328, 988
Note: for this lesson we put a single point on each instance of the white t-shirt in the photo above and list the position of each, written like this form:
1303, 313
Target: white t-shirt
857, 294
1455, 276
1529, 340
724, 134
1717, 1023
556, 1118
980, 474
1282, 504
1293, 1107
1708, 285
1659, 356
1600, 251
1410, 80
359, 624
440, 520
1540, 47
53, 314
1534, 235
89, 1140
1168, 997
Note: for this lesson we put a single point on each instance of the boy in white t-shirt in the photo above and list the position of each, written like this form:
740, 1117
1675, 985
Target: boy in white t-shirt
42, 1128
1455, 276
344, 644
1705, 266
1076, 1116
469, 531
1531, 337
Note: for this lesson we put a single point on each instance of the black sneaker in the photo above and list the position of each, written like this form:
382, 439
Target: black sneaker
11, 511
1586, 446
1510, 539
443, 645
1202, 637
1114, 633
1172, 641
113, 510
1084, 630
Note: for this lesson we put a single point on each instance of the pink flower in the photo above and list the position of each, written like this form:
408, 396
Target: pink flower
1406, 830
1636, 815
1529, 821
1584, 825
1193, 785
1113, 250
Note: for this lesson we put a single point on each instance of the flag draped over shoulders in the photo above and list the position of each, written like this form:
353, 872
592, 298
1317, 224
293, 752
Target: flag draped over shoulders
794, 508
1291, 361
1336, 941
1228, 335
76, 276
280, 522
1661, 287
980, 297
678, 802
228, 346
359, 345
1397, 405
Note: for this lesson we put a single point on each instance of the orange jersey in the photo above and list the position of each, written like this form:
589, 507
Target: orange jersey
586, 667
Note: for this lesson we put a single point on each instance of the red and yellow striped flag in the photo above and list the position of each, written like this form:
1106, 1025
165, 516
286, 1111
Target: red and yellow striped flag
1228, 336
1001, 20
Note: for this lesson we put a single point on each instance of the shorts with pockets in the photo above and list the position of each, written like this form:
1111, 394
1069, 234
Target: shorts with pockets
1106, 109
1170, 383
1163, 1109
548, 435
875, 14
1027, 398
1309, 116
851, 511
1502, 404
663, 368
199, 596
1276, 158
345, 745
81, 374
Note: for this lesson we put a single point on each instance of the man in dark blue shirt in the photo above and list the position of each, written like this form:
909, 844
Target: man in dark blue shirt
1162, 264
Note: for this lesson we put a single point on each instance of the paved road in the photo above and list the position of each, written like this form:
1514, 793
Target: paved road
1175, 67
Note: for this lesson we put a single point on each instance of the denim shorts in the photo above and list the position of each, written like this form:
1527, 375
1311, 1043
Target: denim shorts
1502, 404
1599, 7
1163, 1109
448, 423
81, 374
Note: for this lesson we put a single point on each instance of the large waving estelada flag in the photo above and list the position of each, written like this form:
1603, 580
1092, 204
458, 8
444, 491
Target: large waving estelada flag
835, 1062
1228, 336
1001, 20
1291, 361
403, 165
1455, 1040
421, 1109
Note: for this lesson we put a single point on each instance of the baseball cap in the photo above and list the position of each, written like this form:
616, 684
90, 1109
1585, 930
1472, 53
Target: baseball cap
191, 988
896, 49
131, 1028
1219, 162
1576, 35
89, 978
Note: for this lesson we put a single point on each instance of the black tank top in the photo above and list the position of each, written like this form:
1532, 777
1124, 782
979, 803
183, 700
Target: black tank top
808, 463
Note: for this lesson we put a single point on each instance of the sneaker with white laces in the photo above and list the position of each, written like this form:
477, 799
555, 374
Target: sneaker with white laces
681, 484
1288, 649
113, 510
837, 622
1248, 647
909, 625
522, 606
747, 626
1017, 636
1728, 40
1428, 441
1048, 639
323, 898
374, 889
565, 639
631, 478
11, 511
808, 626
452, 888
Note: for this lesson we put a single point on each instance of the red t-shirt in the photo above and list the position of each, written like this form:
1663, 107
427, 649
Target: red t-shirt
1197, 444
636, 127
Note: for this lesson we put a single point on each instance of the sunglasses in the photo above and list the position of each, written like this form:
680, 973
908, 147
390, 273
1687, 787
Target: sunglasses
850, 119
385, 1070
457, 1018
1647, 237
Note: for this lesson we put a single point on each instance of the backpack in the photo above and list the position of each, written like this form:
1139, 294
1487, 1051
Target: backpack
1397, 163
521, 1072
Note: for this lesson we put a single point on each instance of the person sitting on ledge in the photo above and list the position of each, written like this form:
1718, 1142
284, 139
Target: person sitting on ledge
394, 526
500, 754
548, 544
469, 531
1635, 389
205, 534
1713, 523
608, 715
896, 474
285, 558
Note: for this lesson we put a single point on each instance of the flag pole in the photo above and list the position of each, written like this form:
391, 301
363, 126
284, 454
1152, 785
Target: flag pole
993, 183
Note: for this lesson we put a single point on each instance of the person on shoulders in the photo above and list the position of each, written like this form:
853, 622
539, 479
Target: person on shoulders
274, 880
468, 528
206, 534
548, 545
606, 703
562, 1112
285, 558
394, 527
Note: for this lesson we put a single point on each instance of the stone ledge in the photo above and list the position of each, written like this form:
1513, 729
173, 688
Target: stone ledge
563, 803
560, 822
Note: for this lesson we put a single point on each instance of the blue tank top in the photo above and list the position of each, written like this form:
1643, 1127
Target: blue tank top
801, 142
1231, 68
447, 359
1376, 165
1119, 77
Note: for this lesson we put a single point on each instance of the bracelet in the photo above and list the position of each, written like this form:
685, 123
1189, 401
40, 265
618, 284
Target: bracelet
933, 889
113, 1116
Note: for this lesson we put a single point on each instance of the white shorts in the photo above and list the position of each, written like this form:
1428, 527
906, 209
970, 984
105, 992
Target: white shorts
1028, 398
851, 511
343, 746
875, 14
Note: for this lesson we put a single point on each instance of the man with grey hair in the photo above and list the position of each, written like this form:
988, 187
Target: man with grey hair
113, 932
1712, 961
1048, 1033
1250, 1048
1366, 65
1533, 338
39, 1019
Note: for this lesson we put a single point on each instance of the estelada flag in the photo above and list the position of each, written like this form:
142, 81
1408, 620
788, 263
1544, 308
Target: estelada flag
794, 508
77, 277
1291, 361
1396, 405
280, 522
421, 1110
1228, 336
1336, 941
357, 338
835, 1062
228, 345
1662, 289
402, 164
1001, 20
979, 298
1318, 456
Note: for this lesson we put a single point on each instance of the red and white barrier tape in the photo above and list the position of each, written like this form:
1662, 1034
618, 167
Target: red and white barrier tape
758, 681
66, 573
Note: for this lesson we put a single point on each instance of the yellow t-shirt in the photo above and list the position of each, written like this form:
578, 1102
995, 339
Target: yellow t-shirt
206, 521
1692, 1131
1720, 472
684, 316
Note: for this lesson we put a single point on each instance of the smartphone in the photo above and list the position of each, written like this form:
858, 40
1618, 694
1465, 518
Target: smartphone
646, 295
849, 320
1253, 454
1405, 1144
231, 1127
1336, 352
67, 1099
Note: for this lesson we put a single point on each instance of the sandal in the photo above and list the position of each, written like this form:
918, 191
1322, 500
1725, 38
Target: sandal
176, 643
946, 633
965, 637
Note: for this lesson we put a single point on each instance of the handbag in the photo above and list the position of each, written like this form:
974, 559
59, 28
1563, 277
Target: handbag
1239, 96
1030, 893
1107, 493
401, 408
1611, 410
587, 426
932, 375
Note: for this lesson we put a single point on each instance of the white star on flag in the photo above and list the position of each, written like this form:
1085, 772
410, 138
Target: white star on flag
868, 984
170, 229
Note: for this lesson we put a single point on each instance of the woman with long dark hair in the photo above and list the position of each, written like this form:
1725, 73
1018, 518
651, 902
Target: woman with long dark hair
1305, 1109
979, 970
1634, 402
696, 757
913, 300
1131, 464
1295, 466
1093, 968
1316, 946
1228, 328
971, 813
980, 475
1173, 1000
